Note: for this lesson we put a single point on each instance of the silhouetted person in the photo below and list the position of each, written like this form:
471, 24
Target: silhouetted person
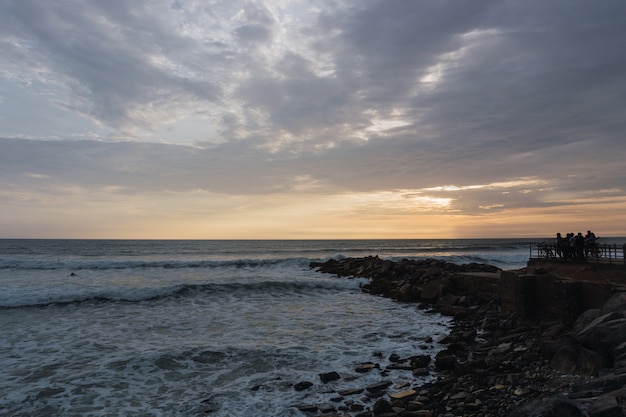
560, 246
579, 244
591, 246
571, 245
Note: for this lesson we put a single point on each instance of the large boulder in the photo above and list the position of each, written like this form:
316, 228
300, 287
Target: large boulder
445, 361
576, 359
432, 290
615, 304
555, 407
605, 333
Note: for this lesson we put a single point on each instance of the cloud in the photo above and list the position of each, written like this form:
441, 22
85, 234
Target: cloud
448, 106
119, 63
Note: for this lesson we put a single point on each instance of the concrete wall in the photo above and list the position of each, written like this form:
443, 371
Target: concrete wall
559, 291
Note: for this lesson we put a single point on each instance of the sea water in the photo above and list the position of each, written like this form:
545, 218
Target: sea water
187, 328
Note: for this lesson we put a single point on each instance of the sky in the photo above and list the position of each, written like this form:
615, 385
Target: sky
326, 119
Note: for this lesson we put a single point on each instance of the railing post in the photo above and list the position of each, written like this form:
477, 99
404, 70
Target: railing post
615, 253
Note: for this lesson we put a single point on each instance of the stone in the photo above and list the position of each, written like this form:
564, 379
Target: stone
378, 387
445, 361
585, 319
394, 358
307, 408
555, 407
493, 373
381, 406
420, 361
606, 332
301, 386
617, 303
432, 291
49, 392
366, 367
347, 392
329, 376
402, 395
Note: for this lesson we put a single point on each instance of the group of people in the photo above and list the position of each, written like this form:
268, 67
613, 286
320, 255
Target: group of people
576, 246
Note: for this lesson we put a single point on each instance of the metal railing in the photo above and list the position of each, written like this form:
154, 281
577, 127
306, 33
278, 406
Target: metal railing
603, 253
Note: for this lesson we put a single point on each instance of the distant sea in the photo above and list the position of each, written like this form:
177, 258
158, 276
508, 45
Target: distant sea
188, 328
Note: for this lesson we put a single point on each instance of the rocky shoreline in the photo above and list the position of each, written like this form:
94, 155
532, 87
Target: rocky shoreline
495, 362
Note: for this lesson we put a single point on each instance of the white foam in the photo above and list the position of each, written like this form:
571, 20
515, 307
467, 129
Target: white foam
175, 355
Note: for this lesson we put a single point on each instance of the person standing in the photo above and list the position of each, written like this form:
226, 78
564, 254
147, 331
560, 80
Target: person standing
591, 247
579, 243
560, 246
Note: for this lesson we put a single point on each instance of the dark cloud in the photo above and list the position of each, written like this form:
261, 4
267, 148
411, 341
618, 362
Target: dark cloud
258, 24
389, 44
118, 59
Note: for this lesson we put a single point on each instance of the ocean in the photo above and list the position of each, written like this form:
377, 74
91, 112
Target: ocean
219, 328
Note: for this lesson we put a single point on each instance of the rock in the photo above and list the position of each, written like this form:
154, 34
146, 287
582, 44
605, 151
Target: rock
381, 406
421, 372
366, 367
606, 332
49, 392
432, 291
419, 413
420, 361
602, 406
329, 376
555, 407
301, 386
445, 361
403, 394
307, 408
348, 392
511, 362
617, 303
619, 355
394, 358
326, 408
585, 319
378, 387
602, 384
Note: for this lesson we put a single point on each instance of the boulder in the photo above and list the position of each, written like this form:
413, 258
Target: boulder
301, 386
348, 392
378, 387
403, 394
445, 361
615, 304
585, 319
432, 291
381, 406
576, 359
366, 367
606, 332
420, 361
555, 407
329, 376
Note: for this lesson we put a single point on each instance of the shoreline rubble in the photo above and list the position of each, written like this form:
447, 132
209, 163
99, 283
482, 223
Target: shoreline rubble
495, 362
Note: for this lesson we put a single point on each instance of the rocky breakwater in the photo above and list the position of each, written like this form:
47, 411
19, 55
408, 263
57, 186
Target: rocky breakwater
495, 363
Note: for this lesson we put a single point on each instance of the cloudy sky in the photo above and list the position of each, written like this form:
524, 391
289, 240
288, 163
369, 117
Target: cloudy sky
312, 119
